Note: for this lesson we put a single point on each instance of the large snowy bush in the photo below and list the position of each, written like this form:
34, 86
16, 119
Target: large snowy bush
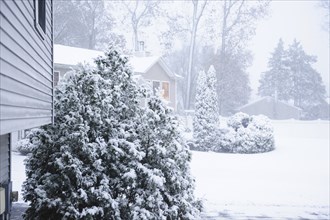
206, 118
106, 157
247, 134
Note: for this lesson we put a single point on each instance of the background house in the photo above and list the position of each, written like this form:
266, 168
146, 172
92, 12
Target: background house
26, 78
150, 70
272, 108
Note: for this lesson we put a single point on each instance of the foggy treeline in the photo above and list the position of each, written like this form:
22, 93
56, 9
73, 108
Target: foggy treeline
191, 36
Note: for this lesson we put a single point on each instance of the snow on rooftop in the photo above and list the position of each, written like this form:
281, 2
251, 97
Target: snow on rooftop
73, 55
143, 64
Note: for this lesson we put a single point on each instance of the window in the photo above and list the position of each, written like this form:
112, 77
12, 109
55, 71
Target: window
40, 16
155, 87
56, 77
166, 90
162, 88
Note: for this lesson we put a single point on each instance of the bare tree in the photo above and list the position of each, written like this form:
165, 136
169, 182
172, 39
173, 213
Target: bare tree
84, 23
325, 4
140, 13
197, 14
238, 21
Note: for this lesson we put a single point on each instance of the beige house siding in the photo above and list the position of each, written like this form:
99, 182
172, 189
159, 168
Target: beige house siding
157, 73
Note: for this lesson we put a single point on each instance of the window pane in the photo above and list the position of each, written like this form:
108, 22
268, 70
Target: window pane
166, 90
56, 77
155, 87
42, 14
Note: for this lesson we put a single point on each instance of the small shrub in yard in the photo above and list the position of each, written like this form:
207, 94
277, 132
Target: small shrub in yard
252, 134
239, 120
226, 140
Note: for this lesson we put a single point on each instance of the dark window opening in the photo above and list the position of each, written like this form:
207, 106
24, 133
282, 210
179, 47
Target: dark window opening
40, 16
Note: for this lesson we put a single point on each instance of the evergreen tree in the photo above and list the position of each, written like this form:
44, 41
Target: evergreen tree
292, 77
206, 111
307, 90
85, 165
276, 81
166, 179
233, 87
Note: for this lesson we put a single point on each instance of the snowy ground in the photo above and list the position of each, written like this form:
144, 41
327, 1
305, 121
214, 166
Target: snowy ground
291, 182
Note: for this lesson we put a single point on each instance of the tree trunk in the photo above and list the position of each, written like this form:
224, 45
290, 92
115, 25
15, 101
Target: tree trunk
190, 64
196, 18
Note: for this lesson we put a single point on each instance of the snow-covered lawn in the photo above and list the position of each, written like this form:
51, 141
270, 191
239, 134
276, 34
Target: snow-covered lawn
290, 182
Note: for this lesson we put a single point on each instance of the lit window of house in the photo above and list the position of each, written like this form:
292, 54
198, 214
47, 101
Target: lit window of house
166, 90
162, 88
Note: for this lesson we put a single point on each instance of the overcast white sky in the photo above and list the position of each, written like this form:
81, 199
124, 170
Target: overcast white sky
302, 20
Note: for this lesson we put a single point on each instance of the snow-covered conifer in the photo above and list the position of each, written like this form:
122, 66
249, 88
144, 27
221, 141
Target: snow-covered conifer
206, 117
87, 165
166, 179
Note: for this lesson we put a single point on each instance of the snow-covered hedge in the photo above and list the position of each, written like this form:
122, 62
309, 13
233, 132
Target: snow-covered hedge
246, 134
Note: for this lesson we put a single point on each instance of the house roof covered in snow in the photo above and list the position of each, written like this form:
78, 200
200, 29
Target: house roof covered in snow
268, 98
73, 55
66, 55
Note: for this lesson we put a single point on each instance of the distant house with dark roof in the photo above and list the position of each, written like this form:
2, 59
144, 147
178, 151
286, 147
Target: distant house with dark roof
274, 109
150, 70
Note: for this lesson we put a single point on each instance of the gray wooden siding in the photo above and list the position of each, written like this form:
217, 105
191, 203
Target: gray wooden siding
4, 159
26, 67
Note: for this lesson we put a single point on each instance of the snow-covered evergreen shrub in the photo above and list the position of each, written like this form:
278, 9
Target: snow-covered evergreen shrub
206, 118
93, 162
165, 177
226, 139
238, 120
25, 146
253, 134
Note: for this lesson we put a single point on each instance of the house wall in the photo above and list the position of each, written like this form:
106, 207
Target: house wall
4, 159
272, 110
156, 72
5, 178
26, 67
